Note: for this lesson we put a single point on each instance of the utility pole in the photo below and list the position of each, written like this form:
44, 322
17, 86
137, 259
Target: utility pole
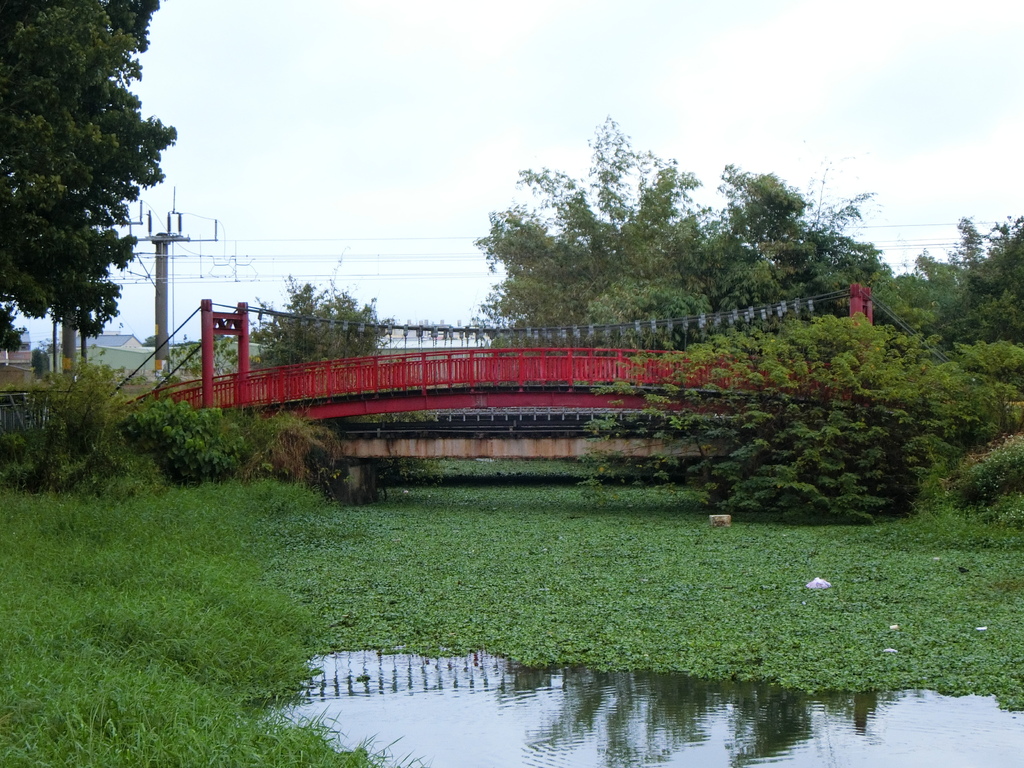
161, 241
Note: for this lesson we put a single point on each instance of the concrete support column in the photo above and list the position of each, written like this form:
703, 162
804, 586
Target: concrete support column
352, 481
160, 306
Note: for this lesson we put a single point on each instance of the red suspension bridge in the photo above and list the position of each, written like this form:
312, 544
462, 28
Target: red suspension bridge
449, 379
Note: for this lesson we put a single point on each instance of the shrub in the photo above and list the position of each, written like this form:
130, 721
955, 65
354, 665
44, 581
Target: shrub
190, 446
984, 479
286, 447
1001, 366
80, 445
1008, 511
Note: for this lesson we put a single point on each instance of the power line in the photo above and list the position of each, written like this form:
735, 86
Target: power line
198, 279
349, 239
320, 258
901, 226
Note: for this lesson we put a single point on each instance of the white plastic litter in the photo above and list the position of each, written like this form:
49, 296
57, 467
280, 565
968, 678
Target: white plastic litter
981, 629
890, 650
818, 584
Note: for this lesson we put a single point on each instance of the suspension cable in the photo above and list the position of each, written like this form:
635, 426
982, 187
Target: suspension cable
937, 353
701, 321
166, 342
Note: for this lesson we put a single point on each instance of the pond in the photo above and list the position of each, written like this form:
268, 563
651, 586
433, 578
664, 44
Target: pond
482, 711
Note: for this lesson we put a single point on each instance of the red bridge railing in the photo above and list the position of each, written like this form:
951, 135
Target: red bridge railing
410, 373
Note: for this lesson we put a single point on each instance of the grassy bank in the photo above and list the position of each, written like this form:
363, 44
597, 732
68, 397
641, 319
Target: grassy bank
639, 580
143, 633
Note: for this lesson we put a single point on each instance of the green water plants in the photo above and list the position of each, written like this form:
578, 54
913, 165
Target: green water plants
635, 578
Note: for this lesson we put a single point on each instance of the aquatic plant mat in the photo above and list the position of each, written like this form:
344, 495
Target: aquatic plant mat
638, 579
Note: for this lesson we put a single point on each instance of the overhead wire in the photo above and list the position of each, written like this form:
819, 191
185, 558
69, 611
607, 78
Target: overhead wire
470, 255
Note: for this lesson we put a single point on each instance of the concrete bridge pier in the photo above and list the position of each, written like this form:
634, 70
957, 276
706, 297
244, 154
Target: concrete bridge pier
351, 481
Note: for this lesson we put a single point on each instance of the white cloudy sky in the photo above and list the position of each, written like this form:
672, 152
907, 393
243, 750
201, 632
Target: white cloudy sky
368, 140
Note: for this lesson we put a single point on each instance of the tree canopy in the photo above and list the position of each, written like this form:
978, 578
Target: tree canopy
325, 326
976, 294
74, 151
629, 243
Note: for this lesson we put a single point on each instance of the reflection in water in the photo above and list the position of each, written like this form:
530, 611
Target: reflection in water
482, 710
644, 717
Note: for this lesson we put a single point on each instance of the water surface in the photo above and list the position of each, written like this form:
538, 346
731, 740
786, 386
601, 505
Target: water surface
482, 711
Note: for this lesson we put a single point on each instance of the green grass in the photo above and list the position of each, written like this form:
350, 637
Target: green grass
143, 634
638, 580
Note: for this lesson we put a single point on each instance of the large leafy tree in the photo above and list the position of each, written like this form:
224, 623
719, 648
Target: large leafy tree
321, 324
595, 249
74, 151
629, 243
835, 418
994, 286
976, 294
774, 243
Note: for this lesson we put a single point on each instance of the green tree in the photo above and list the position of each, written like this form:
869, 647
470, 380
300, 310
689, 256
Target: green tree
629, 243
929, 299
592, 246
1001, 366
328, 324
974, 295
994, 286
40, 362
74, 150
835, 418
